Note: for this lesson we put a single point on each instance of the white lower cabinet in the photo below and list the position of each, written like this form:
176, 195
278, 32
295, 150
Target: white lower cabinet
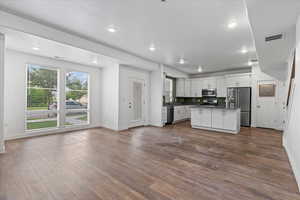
228, 123
181, 113
217, 118
223, 120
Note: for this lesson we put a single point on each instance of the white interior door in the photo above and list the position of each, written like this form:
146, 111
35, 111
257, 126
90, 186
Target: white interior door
136, 103
266, 107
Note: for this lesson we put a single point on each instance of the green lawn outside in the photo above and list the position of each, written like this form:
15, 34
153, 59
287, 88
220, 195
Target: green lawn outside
83, 118
40, 125
37, 108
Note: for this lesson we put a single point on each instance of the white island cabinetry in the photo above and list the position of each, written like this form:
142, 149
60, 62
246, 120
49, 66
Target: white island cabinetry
216, 119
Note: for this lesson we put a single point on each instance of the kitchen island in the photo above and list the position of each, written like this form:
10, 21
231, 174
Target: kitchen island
216, 118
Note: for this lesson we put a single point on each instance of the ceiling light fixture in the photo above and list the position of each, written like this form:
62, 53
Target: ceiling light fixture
111, 29
244, 51
232, 25
182, 61
152, 47
36, 48
200, 69
95, 60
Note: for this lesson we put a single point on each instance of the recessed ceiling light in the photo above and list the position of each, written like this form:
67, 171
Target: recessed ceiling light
232, 25
36, 48
244, 51
182, 61
152, 47
95, 60
250, 63
200, 69
111, 29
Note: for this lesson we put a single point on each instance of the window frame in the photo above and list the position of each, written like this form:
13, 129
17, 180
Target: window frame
61, 110
87, 110
57, 111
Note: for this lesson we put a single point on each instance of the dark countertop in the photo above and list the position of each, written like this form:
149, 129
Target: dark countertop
215, 107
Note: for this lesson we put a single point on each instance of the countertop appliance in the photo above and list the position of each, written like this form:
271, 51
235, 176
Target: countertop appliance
209, 92
241, 98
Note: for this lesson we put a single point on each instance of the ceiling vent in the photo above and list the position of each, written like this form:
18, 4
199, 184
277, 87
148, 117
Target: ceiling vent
274, 37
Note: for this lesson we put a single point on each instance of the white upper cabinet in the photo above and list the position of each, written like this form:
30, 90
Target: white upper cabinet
221, 87
180, 87
196, 87
193, 87
187, 88
239, 80
209, 83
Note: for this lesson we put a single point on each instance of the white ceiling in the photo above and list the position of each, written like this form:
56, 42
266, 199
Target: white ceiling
195, 30
23, 42
269, 17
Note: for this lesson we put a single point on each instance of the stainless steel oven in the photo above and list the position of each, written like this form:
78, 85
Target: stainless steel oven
209, 92
210, 101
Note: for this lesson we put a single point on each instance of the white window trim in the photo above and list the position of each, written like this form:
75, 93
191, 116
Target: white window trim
61, 109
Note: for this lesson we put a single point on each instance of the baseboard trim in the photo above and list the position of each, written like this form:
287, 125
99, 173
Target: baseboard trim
49, 132
292, 162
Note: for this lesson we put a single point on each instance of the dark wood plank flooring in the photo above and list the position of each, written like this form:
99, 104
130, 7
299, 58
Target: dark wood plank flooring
171, 163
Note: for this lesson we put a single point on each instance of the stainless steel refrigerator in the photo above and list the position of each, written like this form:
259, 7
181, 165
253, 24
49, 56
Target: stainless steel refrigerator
241, 98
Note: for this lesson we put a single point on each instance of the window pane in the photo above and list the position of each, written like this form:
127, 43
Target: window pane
40, 77
76, 99
41, 120
77, 81
76, 118
41, 99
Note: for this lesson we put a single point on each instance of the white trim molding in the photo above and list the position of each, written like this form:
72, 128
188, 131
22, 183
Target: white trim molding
2, 51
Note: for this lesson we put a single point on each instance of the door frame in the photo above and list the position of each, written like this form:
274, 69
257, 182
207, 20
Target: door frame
137, 123
258, 107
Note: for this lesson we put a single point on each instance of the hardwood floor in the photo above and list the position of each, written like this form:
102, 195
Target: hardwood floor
175, 162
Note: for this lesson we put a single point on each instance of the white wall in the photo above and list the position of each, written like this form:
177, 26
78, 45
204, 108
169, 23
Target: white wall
2, 47
156, 96
15, 83
126, 73
291, 137
110, 96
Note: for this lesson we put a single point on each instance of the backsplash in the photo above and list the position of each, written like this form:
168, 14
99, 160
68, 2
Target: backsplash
196, 100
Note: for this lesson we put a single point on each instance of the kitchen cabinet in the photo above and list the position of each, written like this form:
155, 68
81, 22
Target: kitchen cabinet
228, 122
180, 87
209, 83
221, 87
201, 117
196, 88
187, 88
216, 119
239, 80
181, 113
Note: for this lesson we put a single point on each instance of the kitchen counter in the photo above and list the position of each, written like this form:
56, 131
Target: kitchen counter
216, 118
214, 107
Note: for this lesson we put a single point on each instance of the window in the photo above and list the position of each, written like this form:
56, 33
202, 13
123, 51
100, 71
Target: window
42, 97
77, 98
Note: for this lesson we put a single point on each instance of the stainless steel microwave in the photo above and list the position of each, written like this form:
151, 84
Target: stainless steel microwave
209, 92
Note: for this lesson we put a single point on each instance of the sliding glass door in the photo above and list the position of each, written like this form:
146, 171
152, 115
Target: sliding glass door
45, 110
42, 97
77, 98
